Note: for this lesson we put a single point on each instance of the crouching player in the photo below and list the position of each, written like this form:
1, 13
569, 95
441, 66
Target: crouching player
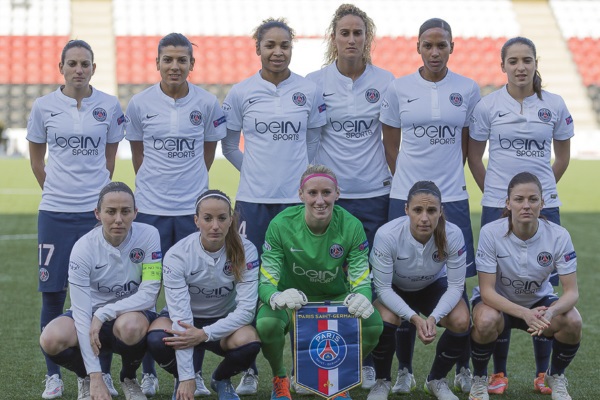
304, 256
211, 288
114, 278
515, 258
419, 263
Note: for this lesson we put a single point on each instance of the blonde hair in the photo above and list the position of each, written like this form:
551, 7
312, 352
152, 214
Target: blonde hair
317, 169
349, 9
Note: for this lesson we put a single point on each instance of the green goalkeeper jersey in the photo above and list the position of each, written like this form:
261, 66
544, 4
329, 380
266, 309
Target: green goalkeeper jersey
324, 267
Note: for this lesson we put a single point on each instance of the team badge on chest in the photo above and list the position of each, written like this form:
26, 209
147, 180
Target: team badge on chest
196, 117
336, 250
136, 255
99, 114
299, 99
456, 99
372, 95
544, 259
544, 115
227, 270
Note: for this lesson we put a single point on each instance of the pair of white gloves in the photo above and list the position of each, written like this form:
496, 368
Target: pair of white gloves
358, 305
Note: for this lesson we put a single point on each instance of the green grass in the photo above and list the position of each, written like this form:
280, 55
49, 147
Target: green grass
22, 367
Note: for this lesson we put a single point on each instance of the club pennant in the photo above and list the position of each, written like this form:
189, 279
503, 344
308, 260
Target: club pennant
327, 351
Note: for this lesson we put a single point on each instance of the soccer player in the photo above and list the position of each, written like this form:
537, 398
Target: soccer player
281, 114
515, 258
211, 288
428, 112
173, 128
320, 239
521, 122
418, 262
80, 127
353, 88
114, 276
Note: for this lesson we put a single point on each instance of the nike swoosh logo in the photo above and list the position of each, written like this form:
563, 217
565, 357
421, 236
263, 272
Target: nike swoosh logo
450, 357
194, 273
502, 115
411, 100
503, 256
100, 266
293, 250
401, 258
328, 94
55, 114
151, 116
252, 101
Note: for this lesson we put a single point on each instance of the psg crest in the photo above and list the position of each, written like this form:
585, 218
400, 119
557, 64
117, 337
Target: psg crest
327, 350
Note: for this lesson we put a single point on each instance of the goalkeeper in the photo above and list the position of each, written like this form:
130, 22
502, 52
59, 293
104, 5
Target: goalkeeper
313, 252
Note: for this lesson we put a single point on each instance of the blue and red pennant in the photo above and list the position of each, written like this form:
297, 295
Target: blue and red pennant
327, 349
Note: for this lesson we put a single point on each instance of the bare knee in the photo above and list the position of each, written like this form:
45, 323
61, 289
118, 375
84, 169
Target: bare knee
487, 324
58, 335
131, 327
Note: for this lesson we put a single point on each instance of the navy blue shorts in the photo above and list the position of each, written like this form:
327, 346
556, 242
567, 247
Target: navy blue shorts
106, 335
215, 345
514, 322
254, 219
171, 228
456, 212
552, 214
372, 212
425, 300
57, 234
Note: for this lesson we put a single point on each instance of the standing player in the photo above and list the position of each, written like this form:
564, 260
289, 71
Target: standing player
80, 127
521, 122
352, 88
211, 288
321, 240
281, 114
114, 276
428, 112
517, 252
419, 264
173, 128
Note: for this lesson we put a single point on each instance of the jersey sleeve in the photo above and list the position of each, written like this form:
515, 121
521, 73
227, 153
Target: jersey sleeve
80, 265
317, 117
485, 259
456, 268
479, 123
563, 128
117, 124
474, 97
245, 298
566, 258
382, 263
147, 293
390, 107
36, 132
177, 298
133, 122
272, 263
358, 263
216, 127
232, 108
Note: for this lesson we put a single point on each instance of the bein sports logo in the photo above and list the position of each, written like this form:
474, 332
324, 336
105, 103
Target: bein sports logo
328, 349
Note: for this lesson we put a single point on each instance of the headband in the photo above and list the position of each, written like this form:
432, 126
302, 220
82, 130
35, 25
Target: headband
212, 195
316, 176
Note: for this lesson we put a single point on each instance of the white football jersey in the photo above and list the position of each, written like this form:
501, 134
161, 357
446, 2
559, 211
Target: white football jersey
173, 173
431, 116
274, 121
520, 142
107, 281
523, 268
350, 142
398, 259
76, 139
199, 284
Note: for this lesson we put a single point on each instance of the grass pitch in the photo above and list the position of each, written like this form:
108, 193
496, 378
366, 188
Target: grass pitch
22, 367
